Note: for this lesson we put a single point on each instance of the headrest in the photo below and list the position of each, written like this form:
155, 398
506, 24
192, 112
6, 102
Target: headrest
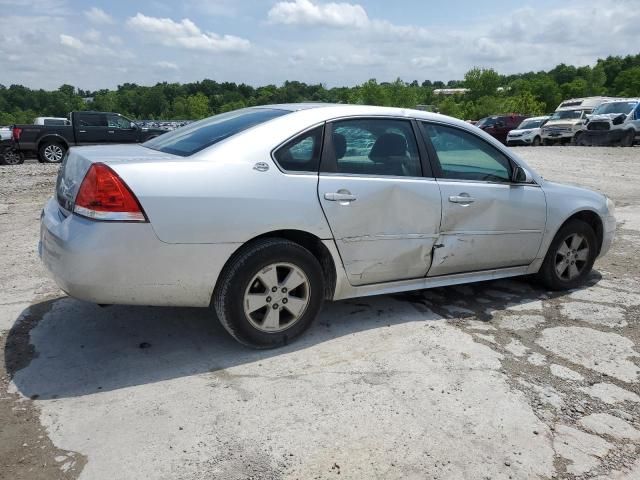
339, 145
389, 145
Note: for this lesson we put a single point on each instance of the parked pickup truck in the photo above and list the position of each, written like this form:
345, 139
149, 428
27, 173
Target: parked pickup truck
51, 142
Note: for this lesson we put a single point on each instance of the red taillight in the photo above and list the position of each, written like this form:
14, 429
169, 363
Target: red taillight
16, 133
103, 195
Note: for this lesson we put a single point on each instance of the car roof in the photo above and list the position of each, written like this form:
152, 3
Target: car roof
336, 110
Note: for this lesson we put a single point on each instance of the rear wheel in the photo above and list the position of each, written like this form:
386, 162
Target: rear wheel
570, 257
11, 157
536, 142
269, 293
51, 152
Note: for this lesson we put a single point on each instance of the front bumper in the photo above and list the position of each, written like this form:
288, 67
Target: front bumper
603, 138
126, 263
519, 142
608, 234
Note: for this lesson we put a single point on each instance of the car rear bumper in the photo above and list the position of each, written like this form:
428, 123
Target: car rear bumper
126, 263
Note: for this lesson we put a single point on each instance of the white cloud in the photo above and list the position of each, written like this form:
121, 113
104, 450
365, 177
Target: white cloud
186, 34
304, 12
424, 62
71, 42
98, 16
164, 65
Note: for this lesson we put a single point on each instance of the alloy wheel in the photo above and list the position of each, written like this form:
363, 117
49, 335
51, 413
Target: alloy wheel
11, 157
572, 256
53, 153
277, 297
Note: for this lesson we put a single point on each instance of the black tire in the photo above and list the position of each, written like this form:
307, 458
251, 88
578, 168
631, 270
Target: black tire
51, 151
628, 139
548, 274
11, 157
228, 297
536, 142
577, 139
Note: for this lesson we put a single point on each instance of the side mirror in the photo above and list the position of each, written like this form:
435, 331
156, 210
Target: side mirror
133, 126
521, 175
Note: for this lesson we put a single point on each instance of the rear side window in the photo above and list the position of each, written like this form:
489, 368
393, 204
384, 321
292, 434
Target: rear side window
197, 136
302, 154
381, 147
92, 120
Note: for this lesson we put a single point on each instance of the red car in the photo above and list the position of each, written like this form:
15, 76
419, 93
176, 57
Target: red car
498, 126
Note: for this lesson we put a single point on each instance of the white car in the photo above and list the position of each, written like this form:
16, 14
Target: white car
614, 123
529, 132
264, 213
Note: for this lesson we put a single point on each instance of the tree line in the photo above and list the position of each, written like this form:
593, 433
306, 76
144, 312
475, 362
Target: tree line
490, 93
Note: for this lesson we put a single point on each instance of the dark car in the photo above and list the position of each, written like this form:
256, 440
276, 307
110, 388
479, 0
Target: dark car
498, 126
51, 142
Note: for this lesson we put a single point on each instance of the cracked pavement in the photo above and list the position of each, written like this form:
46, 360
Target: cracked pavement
493, 380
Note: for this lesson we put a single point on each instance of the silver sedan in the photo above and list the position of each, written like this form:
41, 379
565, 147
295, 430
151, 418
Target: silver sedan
264, 213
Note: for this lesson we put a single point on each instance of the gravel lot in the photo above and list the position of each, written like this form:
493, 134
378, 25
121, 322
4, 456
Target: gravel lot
495, 380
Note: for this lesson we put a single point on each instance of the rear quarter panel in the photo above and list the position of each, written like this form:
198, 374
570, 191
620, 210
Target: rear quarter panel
218, 197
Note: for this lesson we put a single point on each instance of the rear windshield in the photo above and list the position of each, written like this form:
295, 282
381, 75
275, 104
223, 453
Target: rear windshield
197, 136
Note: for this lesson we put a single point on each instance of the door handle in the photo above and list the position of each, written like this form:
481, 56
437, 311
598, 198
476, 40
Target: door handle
82, 131
340, 197
463, 198
110, 131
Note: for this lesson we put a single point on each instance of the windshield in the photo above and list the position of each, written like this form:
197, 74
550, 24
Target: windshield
530, 124
487, 122
567, 114
197, 136
615, 107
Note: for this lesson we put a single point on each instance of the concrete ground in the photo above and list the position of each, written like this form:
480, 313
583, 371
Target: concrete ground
496, 380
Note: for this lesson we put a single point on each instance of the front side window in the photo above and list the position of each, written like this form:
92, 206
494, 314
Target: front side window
197, 136
464, 156
118, 121
376, 147
302, 154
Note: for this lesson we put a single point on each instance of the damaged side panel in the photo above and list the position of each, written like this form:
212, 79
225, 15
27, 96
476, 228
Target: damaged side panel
387, 233
502, 227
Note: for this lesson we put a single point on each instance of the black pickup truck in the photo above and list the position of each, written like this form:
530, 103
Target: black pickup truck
50, 142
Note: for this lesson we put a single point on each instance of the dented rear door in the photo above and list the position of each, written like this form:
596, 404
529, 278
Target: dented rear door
384, 215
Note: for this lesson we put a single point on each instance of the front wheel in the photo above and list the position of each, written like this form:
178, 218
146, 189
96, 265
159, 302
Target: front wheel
269, 293
570, 257
578, 139
51, 152
628, 139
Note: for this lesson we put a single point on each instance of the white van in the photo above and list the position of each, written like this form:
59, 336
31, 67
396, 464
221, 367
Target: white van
568, 121
614, 123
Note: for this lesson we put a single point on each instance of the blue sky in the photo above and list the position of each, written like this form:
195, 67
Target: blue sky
99, 44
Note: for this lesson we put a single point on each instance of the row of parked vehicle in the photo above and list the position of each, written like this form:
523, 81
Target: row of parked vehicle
580, 121
602, 121
49, 138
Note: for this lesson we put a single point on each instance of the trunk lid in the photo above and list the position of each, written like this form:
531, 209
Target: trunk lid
78, 160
